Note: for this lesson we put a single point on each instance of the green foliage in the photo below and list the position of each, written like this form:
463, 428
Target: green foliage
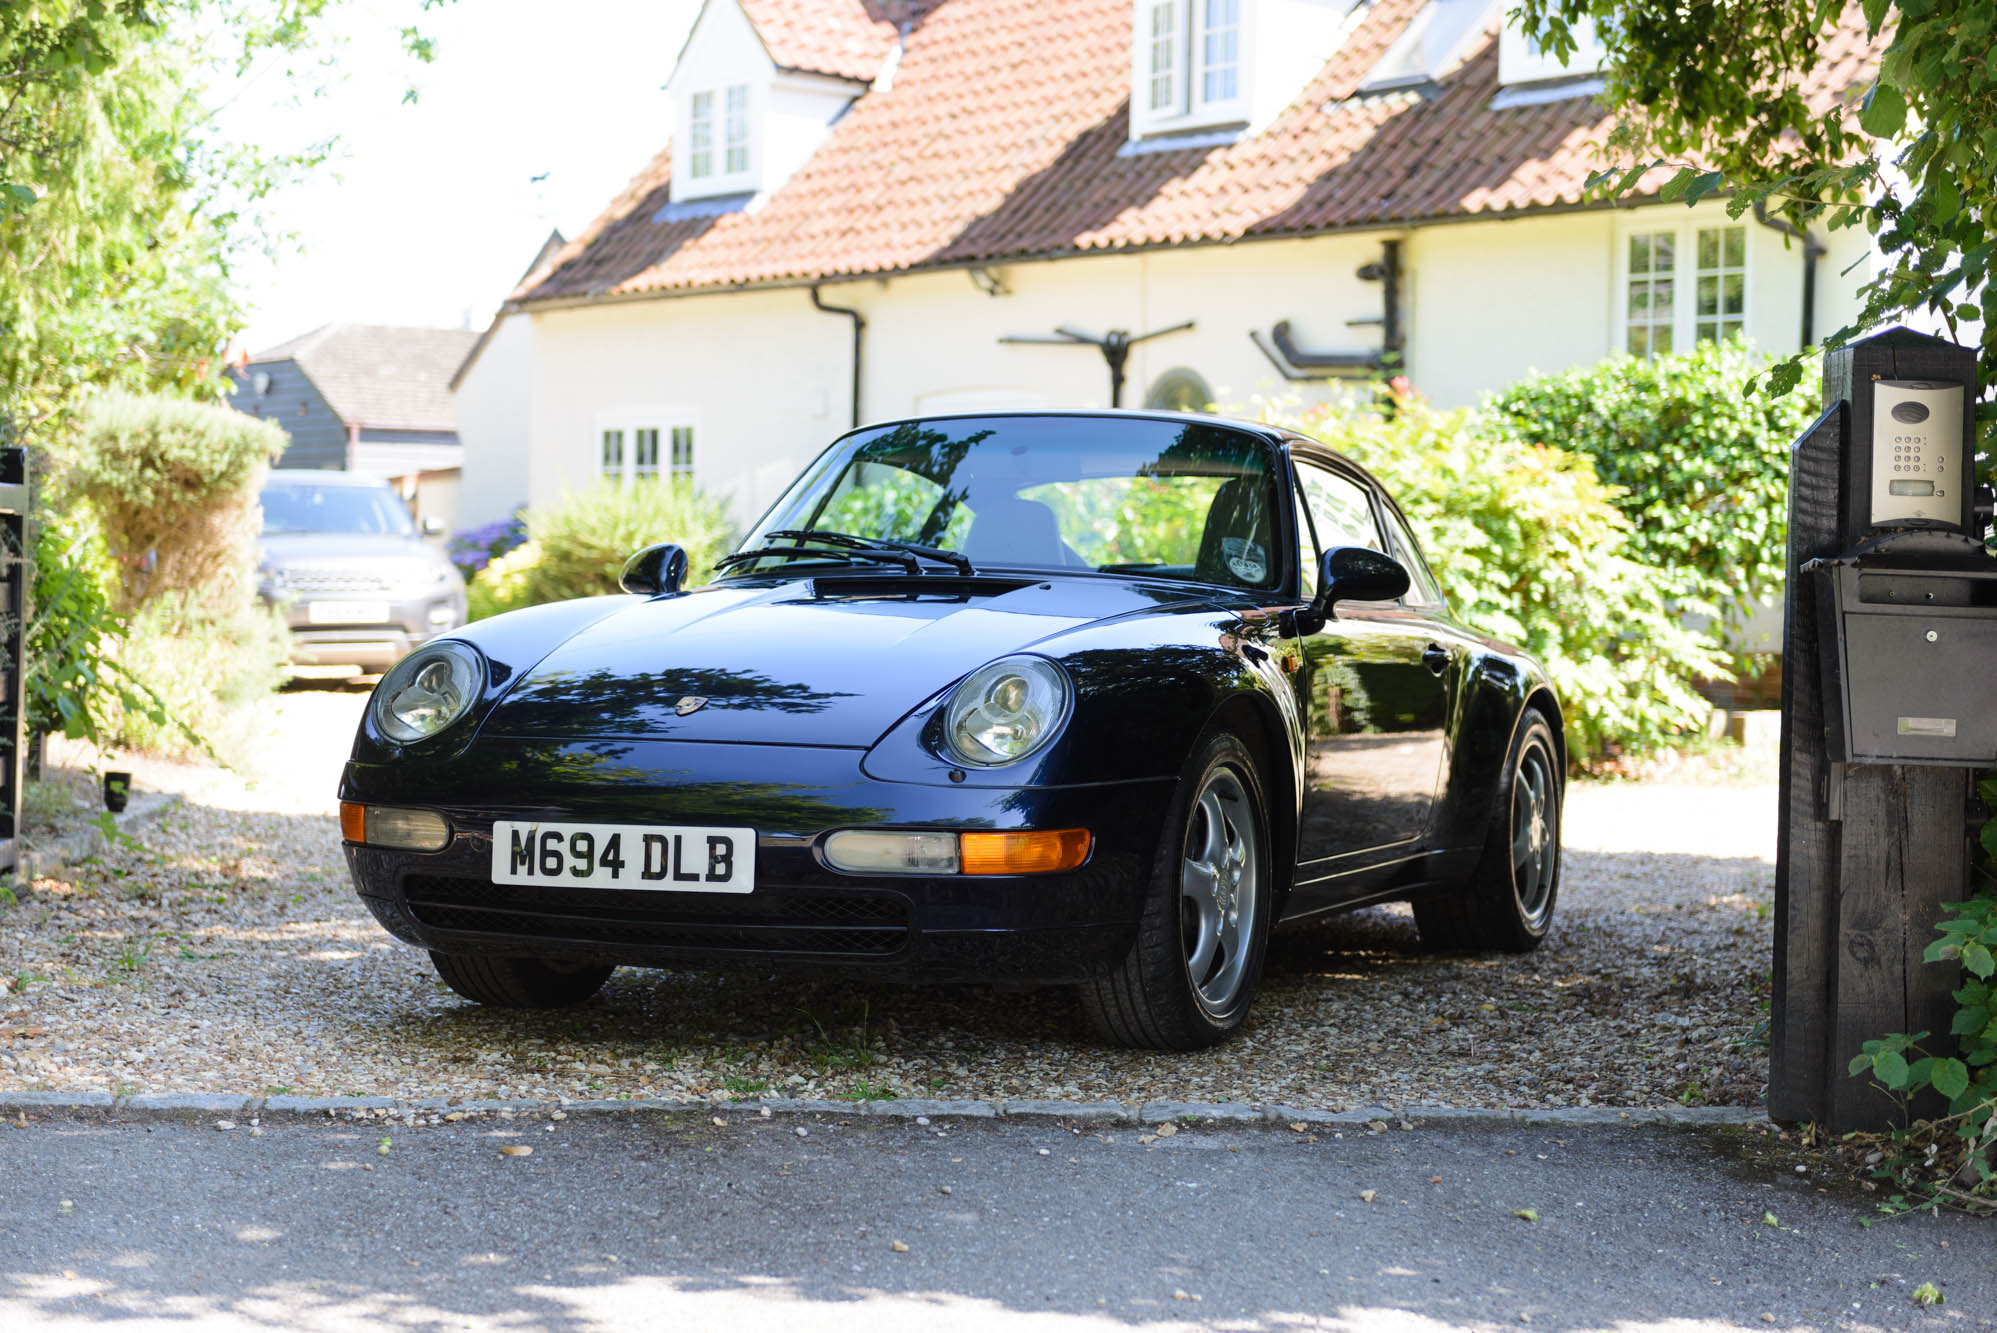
76, 681
1529, 545
1701, 463
174, 484
214, 666
1727, 104
577, 546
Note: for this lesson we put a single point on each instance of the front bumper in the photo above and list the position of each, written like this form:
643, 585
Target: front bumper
373, 645
802, 913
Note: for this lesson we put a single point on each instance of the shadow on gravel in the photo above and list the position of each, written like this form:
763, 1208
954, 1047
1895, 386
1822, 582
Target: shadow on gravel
1659, 998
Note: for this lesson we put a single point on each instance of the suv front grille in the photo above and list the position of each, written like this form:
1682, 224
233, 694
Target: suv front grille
768, 921
320, 581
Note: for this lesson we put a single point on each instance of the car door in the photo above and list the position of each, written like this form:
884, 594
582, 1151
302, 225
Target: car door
1374, 690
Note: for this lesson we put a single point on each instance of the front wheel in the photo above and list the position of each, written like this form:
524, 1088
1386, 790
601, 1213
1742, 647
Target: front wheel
1507, 903
519, 983
1190, 977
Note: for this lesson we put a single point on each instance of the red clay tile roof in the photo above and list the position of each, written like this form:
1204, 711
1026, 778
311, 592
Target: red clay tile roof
1003, 138
847, 39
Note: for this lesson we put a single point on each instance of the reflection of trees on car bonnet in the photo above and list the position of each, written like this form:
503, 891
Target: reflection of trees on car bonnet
607, 702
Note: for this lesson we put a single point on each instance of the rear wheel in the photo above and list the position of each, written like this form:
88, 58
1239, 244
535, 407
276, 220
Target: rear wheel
1190, 977
519, 983
1507, 903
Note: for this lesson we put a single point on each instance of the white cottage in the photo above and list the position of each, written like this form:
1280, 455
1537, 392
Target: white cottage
877, 208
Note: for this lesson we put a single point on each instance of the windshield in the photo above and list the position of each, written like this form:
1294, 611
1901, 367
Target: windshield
1173, 499
305, 507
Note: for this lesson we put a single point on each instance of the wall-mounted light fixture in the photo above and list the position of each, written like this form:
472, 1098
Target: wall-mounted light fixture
990, 281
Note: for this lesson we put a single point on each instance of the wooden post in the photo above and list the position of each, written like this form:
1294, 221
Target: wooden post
1868, 852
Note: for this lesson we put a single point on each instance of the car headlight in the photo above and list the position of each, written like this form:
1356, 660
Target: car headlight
427, 691
1005, 710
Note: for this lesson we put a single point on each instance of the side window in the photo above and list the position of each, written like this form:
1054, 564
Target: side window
1423, 589
1307, 550
1340, 508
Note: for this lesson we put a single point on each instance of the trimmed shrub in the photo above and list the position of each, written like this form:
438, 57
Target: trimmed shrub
1530, 546
212, 668
577, 546
1701, 465
174, 485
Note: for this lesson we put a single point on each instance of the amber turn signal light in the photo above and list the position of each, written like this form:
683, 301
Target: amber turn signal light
353, 821
1034, 853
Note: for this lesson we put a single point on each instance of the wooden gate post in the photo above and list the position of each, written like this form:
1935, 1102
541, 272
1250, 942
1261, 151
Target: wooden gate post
1868, 851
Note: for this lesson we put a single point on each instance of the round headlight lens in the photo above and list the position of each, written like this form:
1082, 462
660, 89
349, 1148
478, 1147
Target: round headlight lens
1006, 710
428, 691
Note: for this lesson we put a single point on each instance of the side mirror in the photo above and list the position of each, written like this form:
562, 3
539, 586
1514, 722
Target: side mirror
431, 526
1354, 574
654, 570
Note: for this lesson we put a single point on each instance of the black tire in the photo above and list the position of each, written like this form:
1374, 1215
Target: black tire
1154, 998
1506, 905
519, 983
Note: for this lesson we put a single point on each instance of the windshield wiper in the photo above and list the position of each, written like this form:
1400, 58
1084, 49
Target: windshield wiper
821, 544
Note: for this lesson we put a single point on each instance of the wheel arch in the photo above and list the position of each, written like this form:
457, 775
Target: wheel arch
1253, 718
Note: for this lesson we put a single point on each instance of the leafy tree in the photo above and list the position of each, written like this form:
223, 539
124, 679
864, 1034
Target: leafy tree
1723, 92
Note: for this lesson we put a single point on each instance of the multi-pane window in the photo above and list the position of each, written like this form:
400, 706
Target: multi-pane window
1651, 312
645, 452
1220, 50
682, 455
1721, 293
735, 130
1684, 285
1190, 57
634, 454
1164, 57
700, 136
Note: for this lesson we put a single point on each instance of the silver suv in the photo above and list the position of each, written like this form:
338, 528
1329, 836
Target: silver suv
357, 582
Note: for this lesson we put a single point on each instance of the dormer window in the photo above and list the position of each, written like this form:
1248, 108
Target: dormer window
719, 137
1189, 65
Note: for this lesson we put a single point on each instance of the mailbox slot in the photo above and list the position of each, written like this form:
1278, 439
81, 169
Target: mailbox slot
1908, 675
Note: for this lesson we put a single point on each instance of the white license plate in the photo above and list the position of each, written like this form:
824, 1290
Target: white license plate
658, 857
347, 613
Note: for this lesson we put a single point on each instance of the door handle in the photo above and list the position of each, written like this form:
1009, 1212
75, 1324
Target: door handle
1436, 658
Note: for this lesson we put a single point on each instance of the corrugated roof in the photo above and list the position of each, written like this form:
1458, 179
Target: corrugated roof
1004, 136
382, 376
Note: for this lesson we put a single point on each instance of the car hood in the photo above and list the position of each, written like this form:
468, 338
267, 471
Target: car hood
798, 664
283, 550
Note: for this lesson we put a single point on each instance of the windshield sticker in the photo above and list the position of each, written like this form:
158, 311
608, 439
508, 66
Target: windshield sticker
1246, 558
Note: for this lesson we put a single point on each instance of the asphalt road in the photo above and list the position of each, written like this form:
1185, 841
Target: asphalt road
644, 1220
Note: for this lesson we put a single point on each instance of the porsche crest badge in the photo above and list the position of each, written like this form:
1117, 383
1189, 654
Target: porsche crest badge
692, 703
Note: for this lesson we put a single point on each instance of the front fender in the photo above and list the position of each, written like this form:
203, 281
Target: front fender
1144, 693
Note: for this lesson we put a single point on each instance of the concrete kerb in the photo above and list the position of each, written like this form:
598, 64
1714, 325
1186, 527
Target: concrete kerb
197, 1106
37, 861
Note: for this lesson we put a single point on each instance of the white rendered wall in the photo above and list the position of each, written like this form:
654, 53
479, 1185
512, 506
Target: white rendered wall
494, 406
766, 377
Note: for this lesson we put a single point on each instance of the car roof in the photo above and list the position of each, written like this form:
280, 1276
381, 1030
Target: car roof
322, 477
1278, 436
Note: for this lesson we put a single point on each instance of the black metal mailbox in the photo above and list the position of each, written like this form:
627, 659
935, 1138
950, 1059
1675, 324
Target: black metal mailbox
1908, 662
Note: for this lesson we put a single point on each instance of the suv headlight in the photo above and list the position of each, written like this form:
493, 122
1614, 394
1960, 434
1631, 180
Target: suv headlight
1006, 710
427, 691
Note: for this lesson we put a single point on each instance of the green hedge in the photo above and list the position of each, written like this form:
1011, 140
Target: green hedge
1702, 465
1530, 546
577, 546
174, 487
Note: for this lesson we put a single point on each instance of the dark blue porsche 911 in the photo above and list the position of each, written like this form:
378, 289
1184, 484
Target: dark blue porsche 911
1093, 699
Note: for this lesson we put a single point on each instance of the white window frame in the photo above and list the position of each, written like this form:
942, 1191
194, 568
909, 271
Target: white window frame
665, 427
1182, 25
1685, 275
722, 137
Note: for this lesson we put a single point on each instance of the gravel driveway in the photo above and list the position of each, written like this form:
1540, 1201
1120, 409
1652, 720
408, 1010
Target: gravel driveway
225, 952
